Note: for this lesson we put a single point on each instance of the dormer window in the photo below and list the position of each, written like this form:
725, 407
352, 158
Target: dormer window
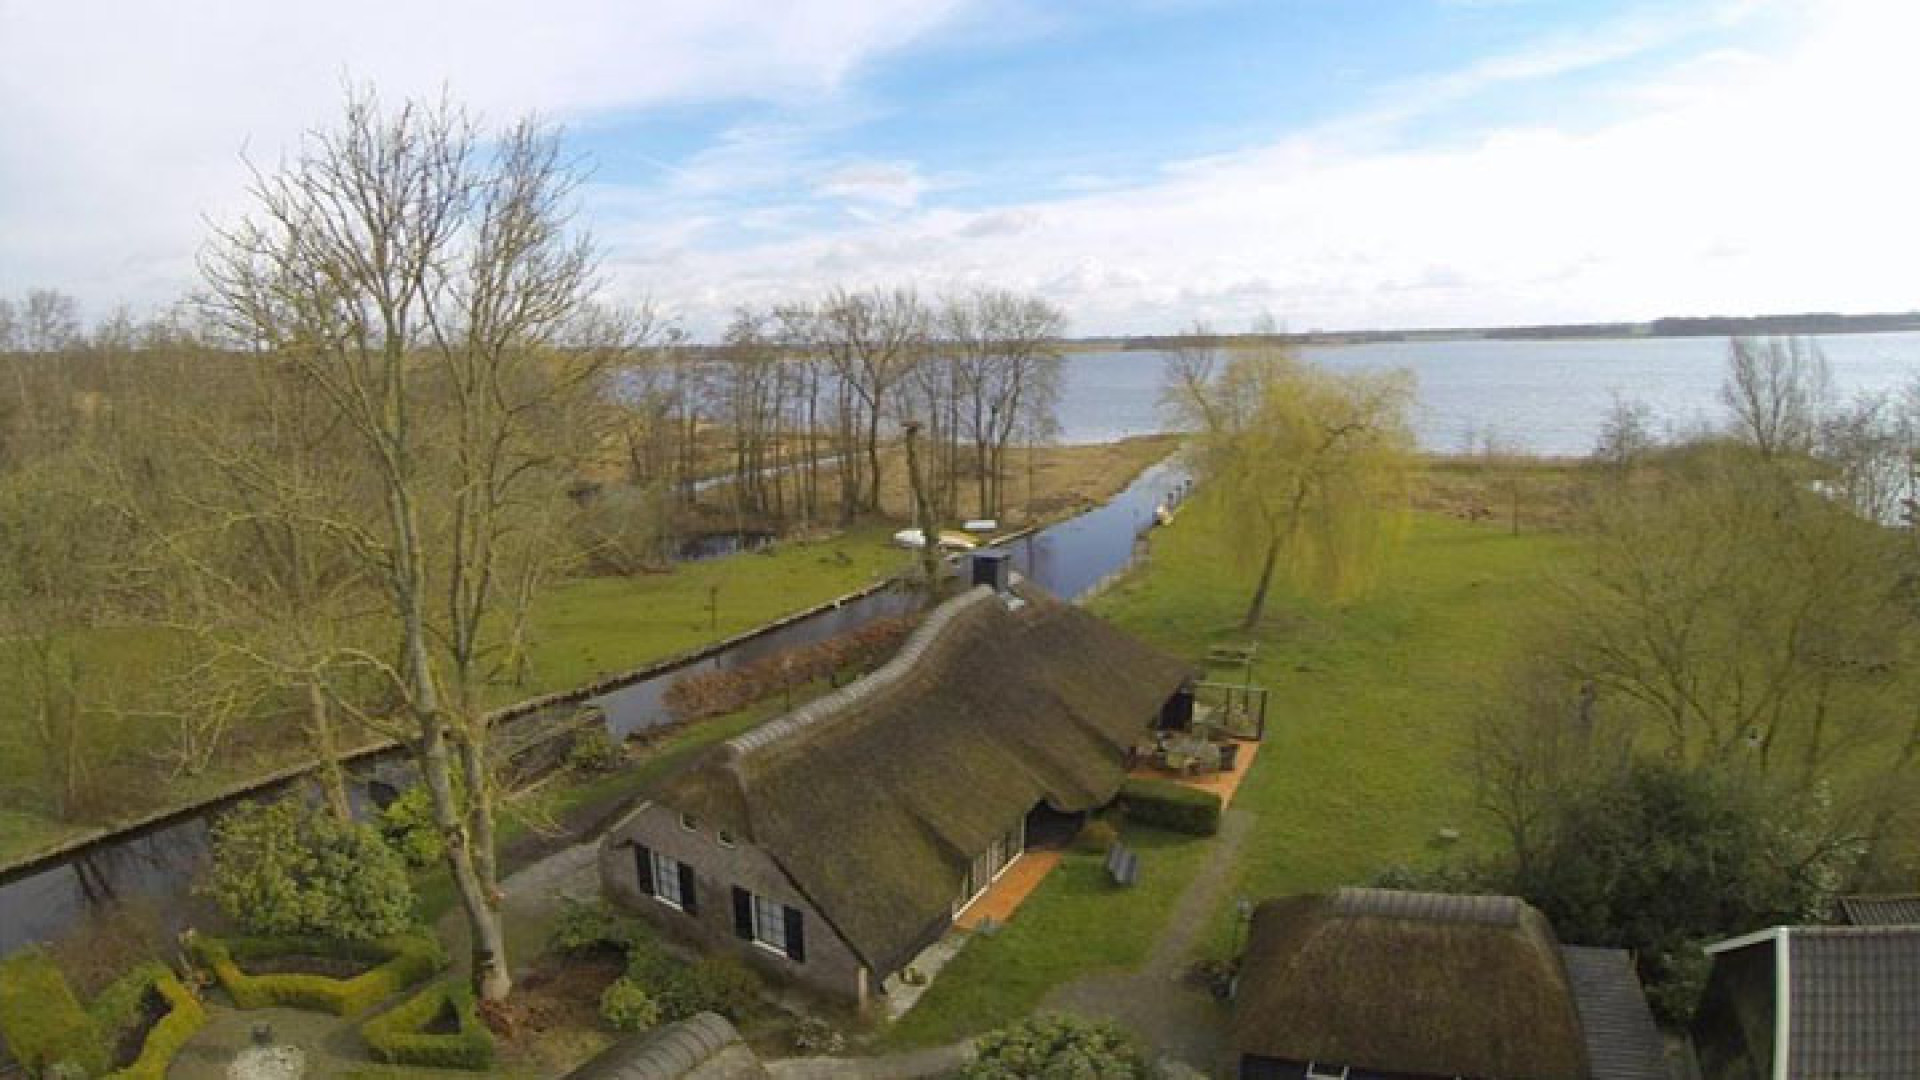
726, 838
688, 823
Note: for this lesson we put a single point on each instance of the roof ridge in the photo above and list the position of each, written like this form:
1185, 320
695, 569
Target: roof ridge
890, 674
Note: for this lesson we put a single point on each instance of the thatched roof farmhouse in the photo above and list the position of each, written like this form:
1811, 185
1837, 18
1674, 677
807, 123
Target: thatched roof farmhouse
1382, 983
832, 844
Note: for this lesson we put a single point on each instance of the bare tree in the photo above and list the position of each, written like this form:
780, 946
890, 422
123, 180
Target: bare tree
49, 321
421, 287
872, 340
1778, 390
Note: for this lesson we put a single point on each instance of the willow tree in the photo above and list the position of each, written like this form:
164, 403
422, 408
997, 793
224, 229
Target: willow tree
430, 287
1310, 465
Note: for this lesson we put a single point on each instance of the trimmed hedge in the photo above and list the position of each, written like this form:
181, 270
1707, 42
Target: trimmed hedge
185, 1015
396, 1038
1171, 806
40, 1019
403, 961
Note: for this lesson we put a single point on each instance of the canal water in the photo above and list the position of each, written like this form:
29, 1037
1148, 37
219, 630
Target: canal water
159, 864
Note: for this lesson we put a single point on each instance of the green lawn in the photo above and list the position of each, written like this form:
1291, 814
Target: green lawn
594, 627
1372, 702
1077, 922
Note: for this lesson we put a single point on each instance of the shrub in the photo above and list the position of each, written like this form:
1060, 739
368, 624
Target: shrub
120, 1005
627, 1006
1095, 838
283, 868
402, 961
718, 984
1171, 806
185, 1016
813, 1035
399, 1036
1052, 1047
40, 1019
408, 828
583, 926
595, 750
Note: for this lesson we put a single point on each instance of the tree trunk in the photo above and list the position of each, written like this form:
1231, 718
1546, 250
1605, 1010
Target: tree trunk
923, 512
1259, 605
333, 778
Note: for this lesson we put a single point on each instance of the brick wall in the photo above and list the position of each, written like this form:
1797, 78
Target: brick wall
830, 966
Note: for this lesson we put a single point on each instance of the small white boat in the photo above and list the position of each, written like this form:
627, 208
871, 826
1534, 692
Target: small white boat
949, 540
1162, 515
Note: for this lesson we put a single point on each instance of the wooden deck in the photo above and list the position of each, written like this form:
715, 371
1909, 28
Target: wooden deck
1010, 889
1223, 784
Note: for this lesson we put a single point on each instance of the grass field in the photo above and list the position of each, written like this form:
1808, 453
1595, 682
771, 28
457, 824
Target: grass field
1372, 702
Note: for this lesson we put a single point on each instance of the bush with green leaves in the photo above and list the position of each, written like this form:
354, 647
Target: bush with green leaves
1657, 858
1095, 838
1171, 806
583, 926
716, 983
285, 868
407, 825
628, 1006
398, 962
595, 750
399, 1036
41, 1021
1055, 1047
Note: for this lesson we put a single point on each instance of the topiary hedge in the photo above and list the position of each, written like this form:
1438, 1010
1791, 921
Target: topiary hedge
398, 1036
40, 1019
402, 961
1171, 806
185, 1015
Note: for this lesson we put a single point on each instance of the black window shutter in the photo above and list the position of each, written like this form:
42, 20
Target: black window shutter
687, 903
742, 913
796, 937
643, 865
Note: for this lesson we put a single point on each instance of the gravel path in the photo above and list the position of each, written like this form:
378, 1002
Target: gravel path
1181, 1022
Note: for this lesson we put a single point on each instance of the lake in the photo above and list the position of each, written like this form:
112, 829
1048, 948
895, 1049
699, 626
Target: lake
1546, 397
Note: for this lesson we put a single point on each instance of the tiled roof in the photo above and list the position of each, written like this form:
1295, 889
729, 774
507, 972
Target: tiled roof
1622, 1041
1856, 1002
1880, 910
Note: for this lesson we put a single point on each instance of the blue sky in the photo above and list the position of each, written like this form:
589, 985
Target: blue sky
1145, 163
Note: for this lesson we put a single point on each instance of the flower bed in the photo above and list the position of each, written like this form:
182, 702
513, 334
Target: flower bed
436, 1027
399, 961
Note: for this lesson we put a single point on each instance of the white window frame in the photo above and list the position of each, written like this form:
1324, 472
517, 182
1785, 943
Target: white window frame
769, 924
666, 880
1316, 1071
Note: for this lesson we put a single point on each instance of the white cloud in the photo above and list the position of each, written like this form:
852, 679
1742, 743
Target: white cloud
1771, 181
121, 122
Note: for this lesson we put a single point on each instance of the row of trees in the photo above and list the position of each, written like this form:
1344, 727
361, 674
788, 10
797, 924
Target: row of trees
330, 489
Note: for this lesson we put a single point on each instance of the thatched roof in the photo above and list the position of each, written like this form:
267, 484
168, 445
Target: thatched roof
874, 799
1409, 982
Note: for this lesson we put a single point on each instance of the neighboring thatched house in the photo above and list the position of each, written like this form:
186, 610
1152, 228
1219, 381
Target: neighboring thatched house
1374, 983
833, 844
1812, 1003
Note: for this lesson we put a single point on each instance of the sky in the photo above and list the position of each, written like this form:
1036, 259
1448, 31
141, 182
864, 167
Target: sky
1145, 164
